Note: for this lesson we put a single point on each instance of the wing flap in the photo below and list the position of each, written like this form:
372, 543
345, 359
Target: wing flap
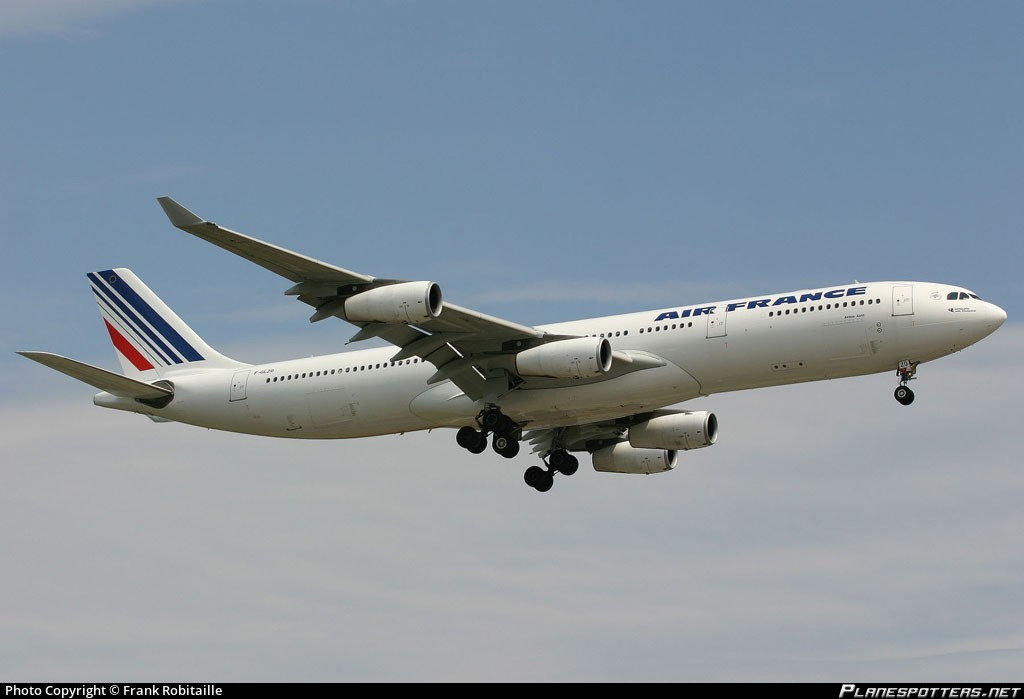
102, 379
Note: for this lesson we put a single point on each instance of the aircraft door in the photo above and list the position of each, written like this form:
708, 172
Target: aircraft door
716, 324
902, 300
238, 381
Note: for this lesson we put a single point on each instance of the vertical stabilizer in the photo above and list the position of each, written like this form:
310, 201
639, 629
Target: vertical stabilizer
150, 339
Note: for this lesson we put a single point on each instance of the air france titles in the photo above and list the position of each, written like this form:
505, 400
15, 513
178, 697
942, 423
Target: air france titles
766, 303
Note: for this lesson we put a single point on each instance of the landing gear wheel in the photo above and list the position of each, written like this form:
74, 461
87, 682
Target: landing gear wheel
466, 437
538, 479
472, 441
480, 444
506, 446
563, 462
903, 395
492, 420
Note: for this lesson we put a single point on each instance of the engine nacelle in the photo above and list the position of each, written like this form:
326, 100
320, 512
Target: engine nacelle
407, 302
676, 431
622, 458
578, 358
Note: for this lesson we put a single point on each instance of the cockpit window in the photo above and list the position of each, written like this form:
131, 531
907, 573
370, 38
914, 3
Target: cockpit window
952, 296
961, 295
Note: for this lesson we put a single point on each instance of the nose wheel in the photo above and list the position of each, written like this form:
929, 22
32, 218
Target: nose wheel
906, 372
903, 395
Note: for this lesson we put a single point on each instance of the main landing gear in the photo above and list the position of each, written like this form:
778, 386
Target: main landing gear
492, 420
906, 372
505, 441
559, 461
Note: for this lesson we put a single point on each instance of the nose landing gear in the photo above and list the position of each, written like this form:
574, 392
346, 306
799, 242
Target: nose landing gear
906, 372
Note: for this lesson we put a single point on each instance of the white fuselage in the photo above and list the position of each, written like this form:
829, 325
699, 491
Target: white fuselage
769, 340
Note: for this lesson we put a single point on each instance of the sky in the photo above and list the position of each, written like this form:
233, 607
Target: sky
542, 161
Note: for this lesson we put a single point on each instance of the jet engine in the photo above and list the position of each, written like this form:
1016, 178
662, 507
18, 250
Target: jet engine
407, 302
622, 458
578, 358
676, 431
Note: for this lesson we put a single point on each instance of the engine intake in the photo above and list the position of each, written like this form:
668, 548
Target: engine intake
622, 458
676, 431
407, 302
578, 358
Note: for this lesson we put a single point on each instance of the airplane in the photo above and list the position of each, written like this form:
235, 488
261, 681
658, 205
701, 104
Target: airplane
603, 386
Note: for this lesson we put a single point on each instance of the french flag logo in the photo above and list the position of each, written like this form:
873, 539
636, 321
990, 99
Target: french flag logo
139, 333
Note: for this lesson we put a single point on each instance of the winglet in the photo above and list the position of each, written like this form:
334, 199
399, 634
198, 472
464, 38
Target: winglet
179, 215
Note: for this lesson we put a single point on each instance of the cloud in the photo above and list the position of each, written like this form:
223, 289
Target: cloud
829, 532
63, 17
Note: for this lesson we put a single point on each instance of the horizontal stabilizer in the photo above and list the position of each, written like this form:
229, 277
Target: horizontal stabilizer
100, 378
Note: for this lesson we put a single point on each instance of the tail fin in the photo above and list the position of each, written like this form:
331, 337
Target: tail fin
151, 340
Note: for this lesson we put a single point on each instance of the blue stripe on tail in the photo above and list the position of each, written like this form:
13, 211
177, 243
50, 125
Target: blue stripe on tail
165, 357
171, 335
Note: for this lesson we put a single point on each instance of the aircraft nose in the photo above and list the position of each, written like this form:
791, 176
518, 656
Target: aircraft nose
998, 315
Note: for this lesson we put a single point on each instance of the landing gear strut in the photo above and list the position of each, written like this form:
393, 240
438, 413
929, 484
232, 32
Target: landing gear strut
906, 372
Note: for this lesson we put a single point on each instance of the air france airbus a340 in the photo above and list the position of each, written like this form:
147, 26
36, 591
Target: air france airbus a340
599, 385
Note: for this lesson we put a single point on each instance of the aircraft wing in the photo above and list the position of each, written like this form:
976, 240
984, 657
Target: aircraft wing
466, 346
289, 265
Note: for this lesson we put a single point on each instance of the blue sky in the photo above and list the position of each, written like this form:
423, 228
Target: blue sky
541, 161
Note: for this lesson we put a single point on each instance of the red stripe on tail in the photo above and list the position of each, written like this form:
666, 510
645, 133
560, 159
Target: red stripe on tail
126, 348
